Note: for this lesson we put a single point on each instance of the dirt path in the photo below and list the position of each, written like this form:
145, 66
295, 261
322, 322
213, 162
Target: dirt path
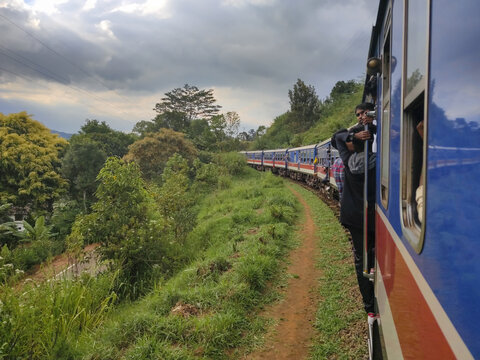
296, 312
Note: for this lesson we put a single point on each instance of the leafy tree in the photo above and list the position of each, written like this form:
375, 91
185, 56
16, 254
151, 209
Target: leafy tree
189, 100
232, 121
112, 142
174, 199
29, 162
303, 106
123, 221
343, 88
152, 152
82, 161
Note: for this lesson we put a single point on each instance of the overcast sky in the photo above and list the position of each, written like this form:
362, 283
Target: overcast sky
64, 61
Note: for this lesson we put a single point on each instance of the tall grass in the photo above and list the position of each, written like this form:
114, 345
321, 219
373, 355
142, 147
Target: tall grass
43, 321
206, 310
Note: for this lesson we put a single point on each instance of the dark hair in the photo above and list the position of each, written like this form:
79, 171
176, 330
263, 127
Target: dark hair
365, 106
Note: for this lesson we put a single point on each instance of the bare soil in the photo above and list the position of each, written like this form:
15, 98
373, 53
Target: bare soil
295, 314
57, 265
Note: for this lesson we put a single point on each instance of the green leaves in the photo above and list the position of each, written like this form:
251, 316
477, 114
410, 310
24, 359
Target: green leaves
29, 162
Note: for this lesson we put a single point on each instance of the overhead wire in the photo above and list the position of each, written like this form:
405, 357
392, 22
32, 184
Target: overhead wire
63, 81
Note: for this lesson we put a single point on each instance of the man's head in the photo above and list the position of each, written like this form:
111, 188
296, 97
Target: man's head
362, 109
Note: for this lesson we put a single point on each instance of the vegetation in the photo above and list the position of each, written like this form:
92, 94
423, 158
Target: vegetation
306, 123
152, 152
30, 163
189, 241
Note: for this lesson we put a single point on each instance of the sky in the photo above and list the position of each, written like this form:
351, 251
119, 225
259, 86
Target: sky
65, 61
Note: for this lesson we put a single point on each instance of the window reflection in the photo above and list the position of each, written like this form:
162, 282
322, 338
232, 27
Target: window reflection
416, 45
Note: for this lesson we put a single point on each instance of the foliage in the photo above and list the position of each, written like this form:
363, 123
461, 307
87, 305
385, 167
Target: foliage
337, 114
174, 200
303, 106
189, 100
45, 320
233, 163
125, 223
8, 228
29, 162
334, 113
152, 152
206, 310
111, 142
38, 232
82, 161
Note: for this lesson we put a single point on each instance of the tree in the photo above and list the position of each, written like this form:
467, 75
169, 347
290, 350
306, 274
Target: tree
82, 161
232, 121
189, 100
303, 106
123, 221
343, 88
112, 142
29, 162
152, 152
173, 198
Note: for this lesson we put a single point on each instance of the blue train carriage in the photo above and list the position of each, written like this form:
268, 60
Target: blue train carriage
301, 164
280, 161
334, 155
254, 158
323, 163
424, 77
268, 159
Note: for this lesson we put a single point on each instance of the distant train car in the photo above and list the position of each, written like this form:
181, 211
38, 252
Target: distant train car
323, 165
254, 158
301, 163
424, 77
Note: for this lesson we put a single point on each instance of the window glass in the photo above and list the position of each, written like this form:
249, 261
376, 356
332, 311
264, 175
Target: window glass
416, 45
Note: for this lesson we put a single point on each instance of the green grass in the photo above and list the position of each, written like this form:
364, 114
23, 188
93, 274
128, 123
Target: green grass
340, 320
207, 310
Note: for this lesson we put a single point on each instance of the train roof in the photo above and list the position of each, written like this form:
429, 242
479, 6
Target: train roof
304, 147
276, 150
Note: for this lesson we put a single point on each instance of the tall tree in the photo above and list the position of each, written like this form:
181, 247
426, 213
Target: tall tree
29, 162
232, 121
189, 100
152, 152
82, 161
303, 106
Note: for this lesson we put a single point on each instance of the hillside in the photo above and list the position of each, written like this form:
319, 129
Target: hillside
333, 113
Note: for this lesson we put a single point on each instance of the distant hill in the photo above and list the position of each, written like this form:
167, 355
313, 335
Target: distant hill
62, 134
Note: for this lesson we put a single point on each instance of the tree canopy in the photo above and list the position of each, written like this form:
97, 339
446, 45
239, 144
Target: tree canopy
189, 100
153, 151
29, 162
304, 104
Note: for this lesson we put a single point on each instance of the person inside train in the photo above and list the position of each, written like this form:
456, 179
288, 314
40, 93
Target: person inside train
351, 210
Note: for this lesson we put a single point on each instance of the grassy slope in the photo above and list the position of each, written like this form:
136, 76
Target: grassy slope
205, 311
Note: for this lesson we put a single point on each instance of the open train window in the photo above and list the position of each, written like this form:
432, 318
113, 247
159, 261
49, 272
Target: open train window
414, 121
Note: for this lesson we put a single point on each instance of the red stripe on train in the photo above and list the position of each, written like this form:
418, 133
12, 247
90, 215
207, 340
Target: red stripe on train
418, 332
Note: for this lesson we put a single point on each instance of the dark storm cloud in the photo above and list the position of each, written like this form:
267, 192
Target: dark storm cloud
263, 46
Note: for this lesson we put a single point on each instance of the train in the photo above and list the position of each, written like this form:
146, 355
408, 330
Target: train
422, 69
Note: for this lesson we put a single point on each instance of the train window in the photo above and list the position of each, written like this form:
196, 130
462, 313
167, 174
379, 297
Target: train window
416, 47
414, 121
385, 140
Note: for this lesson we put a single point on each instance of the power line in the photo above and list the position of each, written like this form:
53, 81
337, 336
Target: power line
64, 80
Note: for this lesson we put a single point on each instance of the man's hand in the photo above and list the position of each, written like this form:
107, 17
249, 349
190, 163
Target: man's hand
362, 135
